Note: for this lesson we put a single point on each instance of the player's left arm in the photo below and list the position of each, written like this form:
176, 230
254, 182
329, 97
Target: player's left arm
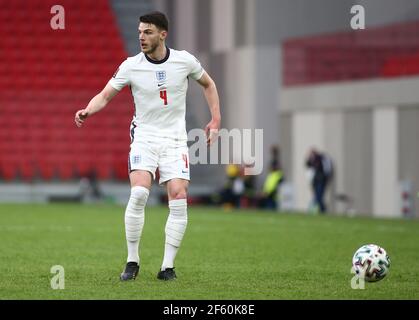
211, 95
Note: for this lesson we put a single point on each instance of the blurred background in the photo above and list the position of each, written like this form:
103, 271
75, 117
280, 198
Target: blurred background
346, 99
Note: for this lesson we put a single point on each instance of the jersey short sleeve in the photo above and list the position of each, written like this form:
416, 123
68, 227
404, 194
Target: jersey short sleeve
196, 70
121, 77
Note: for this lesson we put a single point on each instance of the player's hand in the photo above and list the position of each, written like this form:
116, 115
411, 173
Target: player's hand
211, 131
81, 115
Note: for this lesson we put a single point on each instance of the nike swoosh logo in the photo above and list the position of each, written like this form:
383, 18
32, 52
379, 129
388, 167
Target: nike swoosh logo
183, 171
160, 84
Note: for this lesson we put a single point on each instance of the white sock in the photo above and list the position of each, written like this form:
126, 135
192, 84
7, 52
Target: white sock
134, 221
169, 256
175, 229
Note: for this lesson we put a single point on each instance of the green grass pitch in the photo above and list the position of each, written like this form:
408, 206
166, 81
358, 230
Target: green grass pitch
249, 255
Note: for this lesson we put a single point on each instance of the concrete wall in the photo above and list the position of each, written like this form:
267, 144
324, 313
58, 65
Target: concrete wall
334, 123
357, 151
408, 150
385, 161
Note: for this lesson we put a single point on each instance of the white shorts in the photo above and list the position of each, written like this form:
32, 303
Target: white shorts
171, 158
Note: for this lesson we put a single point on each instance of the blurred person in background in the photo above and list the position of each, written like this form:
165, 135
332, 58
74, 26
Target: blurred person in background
269, 197
320, 173
233, 190
158, 78
249, 193
274, 178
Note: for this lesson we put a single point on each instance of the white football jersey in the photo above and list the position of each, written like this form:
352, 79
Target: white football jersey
159, 91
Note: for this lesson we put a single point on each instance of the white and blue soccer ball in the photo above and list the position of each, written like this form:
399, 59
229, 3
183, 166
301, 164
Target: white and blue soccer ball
371, 262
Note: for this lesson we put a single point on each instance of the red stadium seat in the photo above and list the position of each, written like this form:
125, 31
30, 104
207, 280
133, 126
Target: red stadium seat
46, 168
7, 171
50, 75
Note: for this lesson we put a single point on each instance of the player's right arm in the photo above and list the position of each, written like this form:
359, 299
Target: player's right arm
96, 104
120, 79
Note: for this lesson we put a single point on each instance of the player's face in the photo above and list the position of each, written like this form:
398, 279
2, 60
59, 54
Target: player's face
150, 37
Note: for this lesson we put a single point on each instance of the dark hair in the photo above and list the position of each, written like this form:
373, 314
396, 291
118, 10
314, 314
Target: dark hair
157, 18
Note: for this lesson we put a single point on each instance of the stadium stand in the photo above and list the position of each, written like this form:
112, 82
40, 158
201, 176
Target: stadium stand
381, 52
48, 75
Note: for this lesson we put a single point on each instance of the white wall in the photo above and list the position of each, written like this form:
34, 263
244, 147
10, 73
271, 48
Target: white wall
385, 160
344, 95
334, 144
240, 89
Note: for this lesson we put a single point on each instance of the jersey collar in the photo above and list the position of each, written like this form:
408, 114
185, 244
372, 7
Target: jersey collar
159, 61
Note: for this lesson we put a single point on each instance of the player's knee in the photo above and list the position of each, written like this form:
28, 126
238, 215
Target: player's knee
179, 194
139, 195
